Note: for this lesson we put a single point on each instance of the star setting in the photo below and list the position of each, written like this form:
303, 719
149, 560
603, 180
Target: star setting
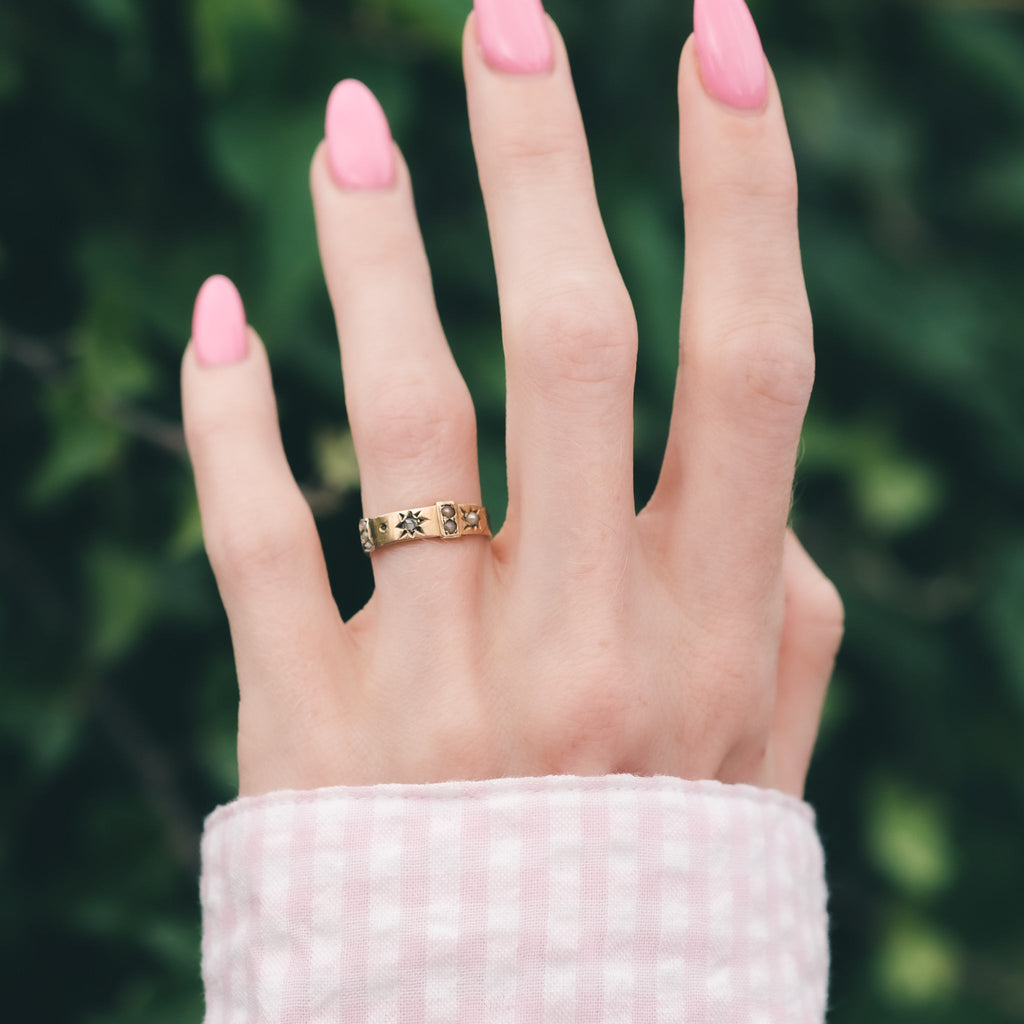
411, 523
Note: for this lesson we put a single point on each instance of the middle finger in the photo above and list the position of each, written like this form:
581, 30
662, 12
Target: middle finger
567, 322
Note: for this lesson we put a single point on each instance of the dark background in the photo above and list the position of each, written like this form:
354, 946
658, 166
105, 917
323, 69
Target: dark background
144, 146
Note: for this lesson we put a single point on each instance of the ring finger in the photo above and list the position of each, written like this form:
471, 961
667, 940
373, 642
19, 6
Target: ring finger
411, 415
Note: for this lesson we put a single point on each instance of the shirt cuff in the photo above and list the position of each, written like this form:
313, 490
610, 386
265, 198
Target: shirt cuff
543, 899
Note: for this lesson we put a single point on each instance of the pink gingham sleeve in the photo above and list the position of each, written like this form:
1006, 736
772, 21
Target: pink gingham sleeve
614, 899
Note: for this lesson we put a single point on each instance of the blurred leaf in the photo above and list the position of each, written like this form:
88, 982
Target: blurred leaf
908, 838
45, 726
122, 599
335, 458
187, 539
897, 495
114, 14
438, 22
222, 27
172, 943
984, 49
916, 965
220, 760
149, 1000
10, 77
837, 707
842, 118
1004, 616
83, 447
996, 191
266, 159
894, 491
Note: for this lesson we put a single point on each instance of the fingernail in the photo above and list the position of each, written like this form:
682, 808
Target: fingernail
360, 152
218, 323
732, 64
514, 35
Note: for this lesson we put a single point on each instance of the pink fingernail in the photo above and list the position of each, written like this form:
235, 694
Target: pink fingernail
514, 35
218, 323
732, 64
360, 151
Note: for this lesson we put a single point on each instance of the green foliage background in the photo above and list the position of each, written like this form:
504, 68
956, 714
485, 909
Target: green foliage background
145, 145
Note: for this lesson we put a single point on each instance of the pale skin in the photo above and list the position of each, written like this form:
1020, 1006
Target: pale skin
695, 639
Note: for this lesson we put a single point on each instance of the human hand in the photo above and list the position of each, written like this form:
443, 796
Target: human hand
695, 639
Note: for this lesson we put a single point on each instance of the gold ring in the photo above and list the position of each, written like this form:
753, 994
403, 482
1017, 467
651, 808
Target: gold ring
444, 520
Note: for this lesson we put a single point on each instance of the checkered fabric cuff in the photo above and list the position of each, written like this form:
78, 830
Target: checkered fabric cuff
615, 899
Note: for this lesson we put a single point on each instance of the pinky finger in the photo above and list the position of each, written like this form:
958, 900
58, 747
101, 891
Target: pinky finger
811, 634
257, 527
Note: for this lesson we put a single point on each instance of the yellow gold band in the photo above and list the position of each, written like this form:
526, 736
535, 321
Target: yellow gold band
444, 520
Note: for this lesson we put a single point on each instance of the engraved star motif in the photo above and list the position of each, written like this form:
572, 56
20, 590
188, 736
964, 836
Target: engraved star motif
411, 523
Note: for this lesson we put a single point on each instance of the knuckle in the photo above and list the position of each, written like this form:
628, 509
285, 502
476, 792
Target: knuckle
770, 181
736, 665
776, 184
597, 723
264, 548
409, 418
744, 761
206, 426
578, 333
741, 681
819, 603
530, 146
829, 603
737, 729
465, 748
770, 358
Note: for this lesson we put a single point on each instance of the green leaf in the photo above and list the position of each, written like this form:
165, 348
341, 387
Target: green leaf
897, 494
908, 838
44, 725
221, 29
122, 598
916, 965
84, 447
895, 490
187, 539
438, 23
118, 15
1004, 617
265, 159
335, 459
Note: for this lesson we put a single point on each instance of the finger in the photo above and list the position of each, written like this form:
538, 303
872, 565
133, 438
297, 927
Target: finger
568, 326
747, 360
257, 528
411, 415
811, 634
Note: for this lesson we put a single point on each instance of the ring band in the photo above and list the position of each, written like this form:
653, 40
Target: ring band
444, 520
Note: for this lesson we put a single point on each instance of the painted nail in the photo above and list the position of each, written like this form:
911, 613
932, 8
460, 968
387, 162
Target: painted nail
732, 64
514, 35
360, 152
218, 323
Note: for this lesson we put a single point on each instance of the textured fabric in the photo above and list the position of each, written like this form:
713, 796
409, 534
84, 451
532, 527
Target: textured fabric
615, 899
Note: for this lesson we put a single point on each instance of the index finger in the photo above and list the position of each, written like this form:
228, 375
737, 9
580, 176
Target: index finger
746, 348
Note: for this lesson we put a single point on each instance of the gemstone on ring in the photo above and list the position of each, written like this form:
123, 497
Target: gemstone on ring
411, 523
364, 535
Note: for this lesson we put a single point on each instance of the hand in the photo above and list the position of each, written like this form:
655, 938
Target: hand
695, 639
